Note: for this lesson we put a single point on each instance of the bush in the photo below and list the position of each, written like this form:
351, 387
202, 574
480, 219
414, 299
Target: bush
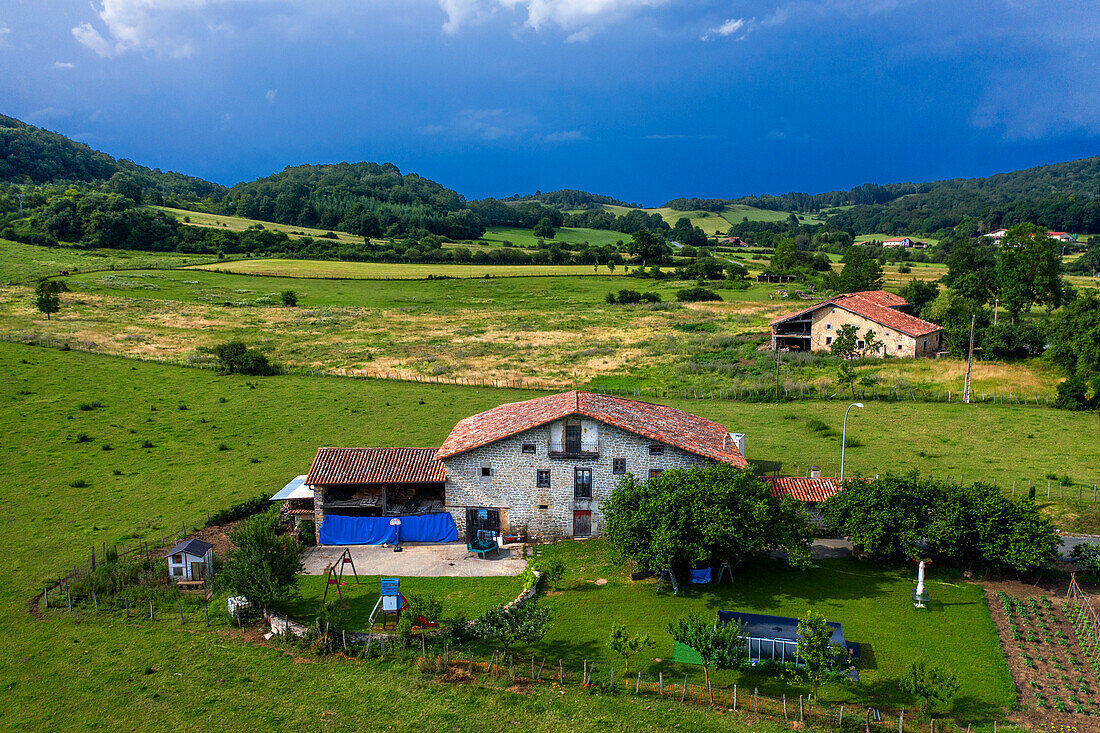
696, 295
264, 566
551, 571
240, 510
236, 358
289, 298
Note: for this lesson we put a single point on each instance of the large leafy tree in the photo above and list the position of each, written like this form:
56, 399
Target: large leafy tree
971, 270
690, 518
971, 526
264, 566
860, 272
1029, 270
47, 296
649, 247
1074, 340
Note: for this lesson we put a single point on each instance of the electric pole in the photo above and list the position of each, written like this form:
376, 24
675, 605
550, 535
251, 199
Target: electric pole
969, 362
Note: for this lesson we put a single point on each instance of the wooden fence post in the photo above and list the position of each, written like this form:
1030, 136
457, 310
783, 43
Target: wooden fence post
800, 708
755, 692
661, 683
784, 706
637, 683
735, 697
684, 691
901, 719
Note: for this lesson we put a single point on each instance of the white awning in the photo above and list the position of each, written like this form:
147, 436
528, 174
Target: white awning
296, 489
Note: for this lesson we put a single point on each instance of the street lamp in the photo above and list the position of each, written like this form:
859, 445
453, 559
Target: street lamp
844, 436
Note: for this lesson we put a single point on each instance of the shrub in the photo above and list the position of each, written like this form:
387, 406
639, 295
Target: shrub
264, 566
551, 571
146, 444
82, 438
929, 683
241, 509
696, 295
526, 624
78, 483
236, 358
289, 298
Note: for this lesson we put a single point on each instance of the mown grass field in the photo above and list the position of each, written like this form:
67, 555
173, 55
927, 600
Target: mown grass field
392, 271
239, 223
712, 222
239, 437
525, 239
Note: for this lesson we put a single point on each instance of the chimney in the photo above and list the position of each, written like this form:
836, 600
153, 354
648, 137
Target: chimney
815, 471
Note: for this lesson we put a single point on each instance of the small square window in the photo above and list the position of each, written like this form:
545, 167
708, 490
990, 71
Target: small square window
655, 472
656, 450
828, 340
177, 571
618, 465
486, 471
544, 507
899, 347
860, 344
177, 559
828, 327
542, 478
528, 448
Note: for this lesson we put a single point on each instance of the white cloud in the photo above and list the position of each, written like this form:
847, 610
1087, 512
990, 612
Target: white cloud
270, 96
580, 18
168, 28
731, 26
64, 65
566, 136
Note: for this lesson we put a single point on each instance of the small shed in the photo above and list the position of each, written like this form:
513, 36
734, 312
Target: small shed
190, 560
297, 498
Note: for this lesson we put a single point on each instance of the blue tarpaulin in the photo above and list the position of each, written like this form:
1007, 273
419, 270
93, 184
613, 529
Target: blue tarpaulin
341, 530
702, 575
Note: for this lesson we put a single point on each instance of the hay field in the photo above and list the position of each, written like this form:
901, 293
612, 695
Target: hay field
239, 223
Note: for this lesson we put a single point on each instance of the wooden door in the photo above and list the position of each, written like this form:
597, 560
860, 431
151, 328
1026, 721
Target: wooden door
582, 523
198, 571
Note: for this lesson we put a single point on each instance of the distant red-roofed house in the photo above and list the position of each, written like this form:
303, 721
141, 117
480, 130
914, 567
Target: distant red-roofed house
1061, 236
997, 234
815, 327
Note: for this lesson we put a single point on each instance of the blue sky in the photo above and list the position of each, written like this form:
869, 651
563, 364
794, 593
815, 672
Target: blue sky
645, 100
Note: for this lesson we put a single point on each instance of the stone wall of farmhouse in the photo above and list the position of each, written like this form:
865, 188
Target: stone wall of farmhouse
827, 321
512, 485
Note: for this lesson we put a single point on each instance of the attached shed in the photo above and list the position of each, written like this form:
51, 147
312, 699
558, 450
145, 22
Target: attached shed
190, 560
297, 498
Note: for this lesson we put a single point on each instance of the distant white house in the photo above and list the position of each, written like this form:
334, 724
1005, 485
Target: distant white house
1061, 236
190, 560
898, 242
997, 234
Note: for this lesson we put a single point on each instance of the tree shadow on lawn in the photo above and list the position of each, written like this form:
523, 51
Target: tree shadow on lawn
769, 583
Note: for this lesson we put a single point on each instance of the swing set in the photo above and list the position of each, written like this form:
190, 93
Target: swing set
336, 577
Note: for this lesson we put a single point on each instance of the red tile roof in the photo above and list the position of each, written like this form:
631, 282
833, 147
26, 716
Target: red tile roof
334, 466
874, 305
800, 488
660, 423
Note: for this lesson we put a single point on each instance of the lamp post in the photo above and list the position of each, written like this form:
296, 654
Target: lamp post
844, 436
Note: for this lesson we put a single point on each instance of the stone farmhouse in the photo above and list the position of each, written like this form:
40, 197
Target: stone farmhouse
901, 334
542, 467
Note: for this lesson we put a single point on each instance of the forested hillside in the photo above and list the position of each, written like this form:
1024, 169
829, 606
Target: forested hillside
30, 154
1064, 196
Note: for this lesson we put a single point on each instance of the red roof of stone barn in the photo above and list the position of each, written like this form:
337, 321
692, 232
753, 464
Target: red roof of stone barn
334, 466
800, 488
660, 423
874, 305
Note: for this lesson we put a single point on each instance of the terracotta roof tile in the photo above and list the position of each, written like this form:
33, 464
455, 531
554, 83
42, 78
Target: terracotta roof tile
660, 423
874, 305
800, 488
334, 466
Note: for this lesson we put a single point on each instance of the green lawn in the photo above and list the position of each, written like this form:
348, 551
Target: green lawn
460, 596
873, 604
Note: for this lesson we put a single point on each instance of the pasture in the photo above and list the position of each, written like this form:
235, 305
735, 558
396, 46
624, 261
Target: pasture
524, 239
24, 262
110, 450
556, 329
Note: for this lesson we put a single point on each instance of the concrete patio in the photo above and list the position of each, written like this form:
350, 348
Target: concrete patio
423, 560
